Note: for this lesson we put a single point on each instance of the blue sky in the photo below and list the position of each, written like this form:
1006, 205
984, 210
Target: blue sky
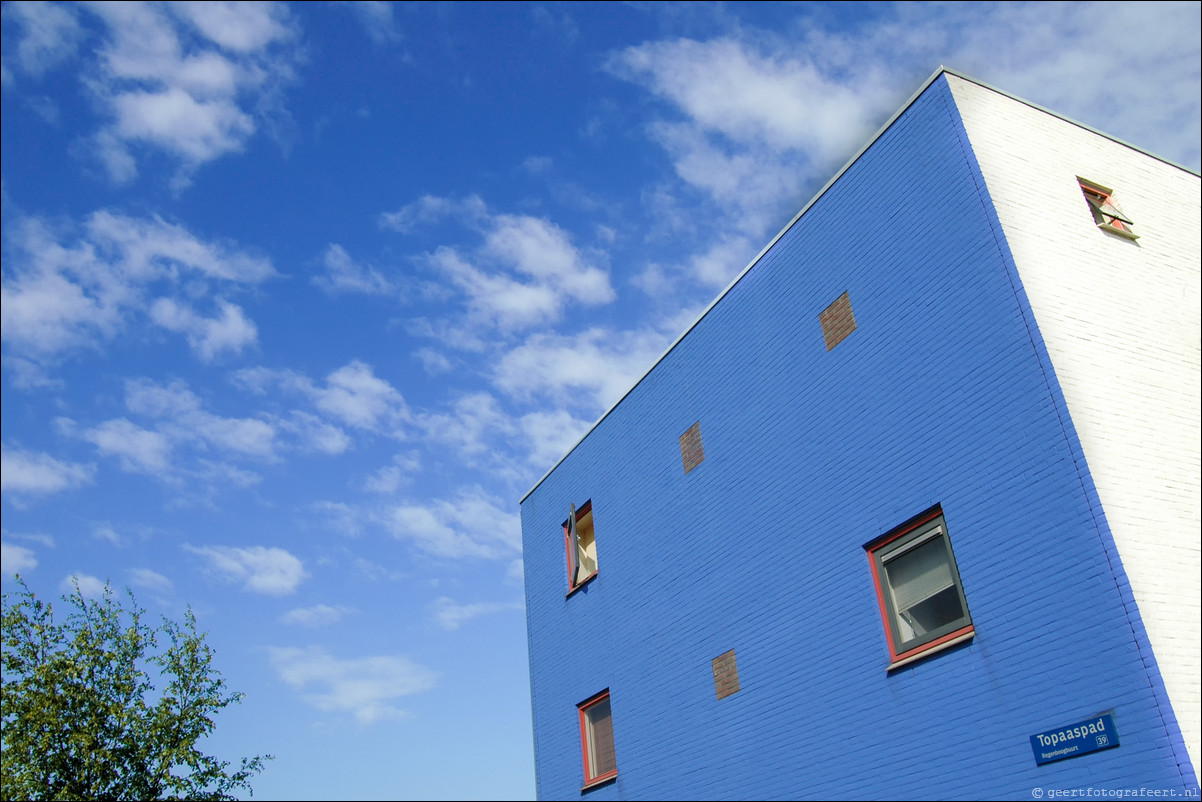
299, 300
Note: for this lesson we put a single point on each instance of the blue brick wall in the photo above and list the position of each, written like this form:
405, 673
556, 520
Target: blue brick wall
939, 396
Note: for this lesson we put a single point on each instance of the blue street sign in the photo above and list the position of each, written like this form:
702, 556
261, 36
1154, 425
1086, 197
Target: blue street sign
1076, 739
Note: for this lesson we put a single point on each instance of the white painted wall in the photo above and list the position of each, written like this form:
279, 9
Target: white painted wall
1121, 323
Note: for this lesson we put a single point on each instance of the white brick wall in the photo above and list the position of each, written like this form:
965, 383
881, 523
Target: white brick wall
1121, 323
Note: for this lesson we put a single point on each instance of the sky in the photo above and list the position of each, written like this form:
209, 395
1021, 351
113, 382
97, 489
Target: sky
300, 300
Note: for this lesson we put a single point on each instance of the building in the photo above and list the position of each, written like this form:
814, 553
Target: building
912, 510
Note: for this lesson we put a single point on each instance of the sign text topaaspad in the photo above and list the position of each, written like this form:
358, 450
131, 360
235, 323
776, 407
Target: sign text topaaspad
1075, 739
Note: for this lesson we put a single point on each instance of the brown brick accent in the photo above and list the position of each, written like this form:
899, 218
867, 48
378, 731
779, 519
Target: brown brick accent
726, 674
837, 321
691, 452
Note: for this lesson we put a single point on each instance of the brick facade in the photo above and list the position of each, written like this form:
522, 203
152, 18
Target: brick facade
945, 396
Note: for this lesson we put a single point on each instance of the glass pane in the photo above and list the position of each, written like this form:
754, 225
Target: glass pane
932, 613
588, 559
601, 739
586, 552
924, 592
1109, 210
919, 572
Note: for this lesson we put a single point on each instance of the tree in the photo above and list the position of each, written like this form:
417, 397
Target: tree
82, 718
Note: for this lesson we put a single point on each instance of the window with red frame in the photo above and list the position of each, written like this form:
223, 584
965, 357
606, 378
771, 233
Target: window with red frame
597, 739
1106, 214
580, 543
918, 587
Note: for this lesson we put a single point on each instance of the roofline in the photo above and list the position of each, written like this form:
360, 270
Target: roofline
871, 141
1038, 107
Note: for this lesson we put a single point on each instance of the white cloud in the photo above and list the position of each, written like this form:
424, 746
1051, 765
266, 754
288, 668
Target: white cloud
550, 273
197, 130
430, 209
26, 472
154, 248
88, 586
51, 33
260, 380
433, 362
150, 580
64, 290
356, 396
16, 559
473, 425
496, 299
555, 24
365, 687
387, 479
319, 615
450, 616
718, 264
240, 27
753, 121
176, 421
55, 298
537, 165
524, 272
246, 436
749, 183
122, 167
154, 400
592, 369
314, 434
728, 87
139, 450
542, 250
352, 395
108, 533
26, 374
548, 435
180, 417
482, 432
196, 102
208, 472
271, 571
377, 572
758, 123
339, 516
472, 525
343, 274
378, 21
1051, 58
45, 540
230, 330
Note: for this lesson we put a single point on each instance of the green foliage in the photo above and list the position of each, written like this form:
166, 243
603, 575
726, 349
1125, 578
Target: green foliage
82, 719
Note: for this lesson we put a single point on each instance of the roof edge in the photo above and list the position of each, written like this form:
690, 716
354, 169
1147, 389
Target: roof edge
941, 70
1068, 120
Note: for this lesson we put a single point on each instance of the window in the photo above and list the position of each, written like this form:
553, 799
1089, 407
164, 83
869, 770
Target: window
581, 545
918, 587
1106, 214
597, 739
